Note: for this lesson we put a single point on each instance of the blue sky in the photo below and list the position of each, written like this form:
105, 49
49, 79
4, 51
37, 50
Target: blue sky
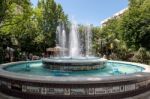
90, 11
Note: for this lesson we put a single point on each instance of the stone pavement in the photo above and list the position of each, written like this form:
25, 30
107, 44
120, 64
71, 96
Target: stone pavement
2, 96
145, 95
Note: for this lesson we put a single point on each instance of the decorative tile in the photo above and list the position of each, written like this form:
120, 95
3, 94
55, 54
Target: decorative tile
50, 91
130, 87
122, 88
78, 91
24, 88
100, 91
33, 89
140, 84
115, 89
43, 90
91, 91
59, 91
66, 91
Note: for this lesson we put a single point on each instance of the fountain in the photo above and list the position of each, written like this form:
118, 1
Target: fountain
74, 73
74, 61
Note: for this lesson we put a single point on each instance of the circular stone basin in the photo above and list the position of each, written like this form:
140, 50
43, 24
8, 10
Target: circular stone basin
116, 80
109, 69
74, 64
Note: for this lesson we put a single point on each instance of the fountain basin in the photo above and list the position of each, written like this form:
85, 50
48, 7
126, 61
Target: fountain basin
78, 87
74, 64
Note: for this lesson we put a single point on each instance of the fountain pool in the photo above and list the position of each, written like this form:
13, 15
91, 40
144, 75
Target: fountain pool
110, 69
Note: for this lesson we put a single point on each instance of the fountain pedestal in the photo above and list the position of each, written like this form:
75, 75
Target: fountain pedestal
74, 64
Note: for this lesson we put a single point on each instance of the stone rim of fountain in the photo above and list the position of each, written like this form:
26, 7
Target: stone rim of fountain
80, 80
129, 85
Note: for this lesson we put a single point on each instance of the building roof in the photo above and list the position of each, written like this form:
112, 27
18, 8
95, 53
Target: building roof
115, 15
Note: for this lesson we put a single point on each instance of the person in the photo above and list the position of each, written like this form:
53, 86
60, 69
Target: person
24, 56
30, 56
7, 57
43, 55
105, 57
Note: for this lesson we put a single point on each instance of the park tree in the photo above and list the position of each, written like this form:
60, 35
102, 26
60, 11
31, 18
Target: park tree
136, 24
131, 29
33, 28
108, 36
13, 16
51, 16
11, 8
17, 21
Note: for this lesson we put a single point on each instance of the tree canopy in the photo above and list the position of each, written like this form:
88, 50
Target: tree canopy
30, 28
132, 27
136, 24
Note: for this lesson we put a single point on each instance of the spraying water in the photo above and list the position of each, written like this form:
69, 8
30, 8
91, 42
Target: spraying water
74, 41
61, 39
88, 40
74, 50
63, 45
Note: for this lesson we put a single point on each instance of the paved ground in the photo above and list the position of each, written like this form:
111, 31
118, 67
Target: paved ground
2, 96
141, 96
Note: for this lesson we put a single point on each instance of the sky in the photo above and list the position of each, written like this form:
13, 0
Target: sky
90, 11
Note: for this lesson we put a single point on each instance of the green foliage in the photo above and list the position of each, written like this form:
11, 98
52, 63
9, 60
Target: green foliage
9, 9
142, 55
50, 15
131, 30
98, 39
111, 30
31, 29
136, 24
